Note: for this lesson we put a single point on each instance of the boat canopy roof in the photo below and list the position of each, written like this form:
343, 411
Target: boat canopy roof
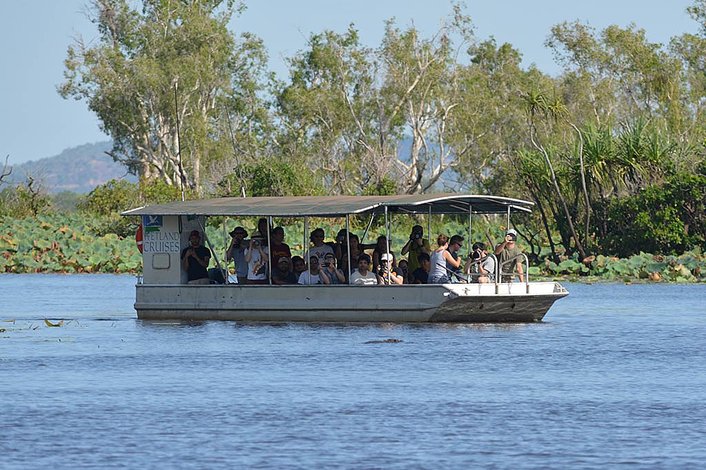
334, 206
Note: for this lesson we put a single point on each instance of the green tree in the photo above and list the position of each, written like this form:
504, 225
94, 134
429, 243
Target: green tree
155, 78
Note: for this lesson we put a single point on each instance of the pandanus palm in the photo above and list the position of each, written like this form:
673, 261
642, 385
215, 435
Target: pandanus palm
539, 105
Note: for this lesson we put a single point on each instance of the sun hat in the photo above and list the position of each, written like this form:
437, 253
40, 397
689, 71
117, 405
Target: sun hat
511, 231
386, 257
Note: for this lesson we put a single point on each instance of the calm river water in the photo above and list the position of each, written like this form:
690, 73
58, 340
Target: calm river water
614, 377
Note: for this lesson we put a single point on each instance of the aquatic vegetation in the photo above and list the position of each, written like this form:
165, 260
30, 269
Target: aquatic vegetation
63, 244
688, 267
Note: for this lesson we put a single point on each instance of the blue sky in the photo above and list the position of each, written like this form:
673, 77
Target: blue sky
35, 122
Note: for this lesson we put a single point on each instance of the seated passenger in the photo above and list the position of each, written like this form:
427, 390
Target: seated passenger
334, 274
439, 259
480, 266
362, 276
279, 248
282, 273
380, 248
403, 266
421, 274
314, 274
388, 274
298, 265
320, 248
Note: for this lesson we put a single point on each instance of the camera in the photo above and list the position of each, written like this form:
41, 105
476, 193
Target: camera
256, 243
476, 254
416, 236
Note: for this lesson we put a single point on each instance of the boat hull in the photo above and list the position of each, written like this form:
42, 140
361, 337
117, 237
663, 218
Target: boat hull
447, 303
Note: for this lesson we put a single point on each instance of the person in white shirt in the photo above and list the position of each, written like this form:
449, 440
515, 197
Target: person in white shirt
362, 276
320, 249
257, 257
313, 275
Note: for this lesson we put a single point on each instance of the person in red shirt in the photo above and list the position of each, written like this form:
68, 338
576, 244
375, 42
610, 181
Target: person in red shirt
279, 248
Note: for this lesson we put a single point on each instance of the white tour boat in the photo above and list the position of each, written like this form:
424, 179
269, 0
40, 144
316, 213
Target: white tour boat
162, 292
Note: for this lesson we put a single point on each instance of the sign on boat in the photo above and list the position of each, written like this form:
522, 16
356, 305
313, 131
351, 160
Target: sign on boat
162, 292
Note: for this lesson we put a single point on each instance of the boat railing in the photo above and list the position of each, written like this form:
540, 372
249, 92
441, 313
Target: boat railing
499, 272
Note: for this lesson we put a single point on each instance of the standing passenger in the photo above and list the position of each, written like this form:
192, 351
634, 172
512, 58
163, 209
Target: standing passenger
507, 251
320, 248
257, 259
236, 252
194, 260
415, 246
279, 248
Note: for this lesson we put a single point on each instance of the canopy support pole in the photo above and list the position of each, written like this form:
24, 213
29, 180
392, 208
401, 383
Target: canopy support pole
269, 248
508, 218
305, 246
470, 229
387, 245
225, 239
370, 223
348, 242
429, 224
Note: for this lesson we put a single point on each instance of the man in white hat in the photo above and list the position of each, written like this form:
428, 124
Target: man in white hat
506, 251
389, 274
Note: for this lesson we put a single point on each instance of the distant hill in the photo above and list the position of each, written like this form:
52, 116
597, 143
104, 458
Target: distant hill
78, 169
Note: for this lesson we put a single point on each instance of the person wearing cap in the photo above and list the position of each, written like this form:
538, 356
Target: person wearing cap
331, 271
256, 255
389, 275
236, 252
282, 272
194, 260
381, 248
507, 251
415, 246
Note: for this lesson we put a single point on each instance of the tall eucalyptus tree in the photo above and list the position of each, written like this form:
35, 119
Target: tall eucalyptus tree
155, 77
